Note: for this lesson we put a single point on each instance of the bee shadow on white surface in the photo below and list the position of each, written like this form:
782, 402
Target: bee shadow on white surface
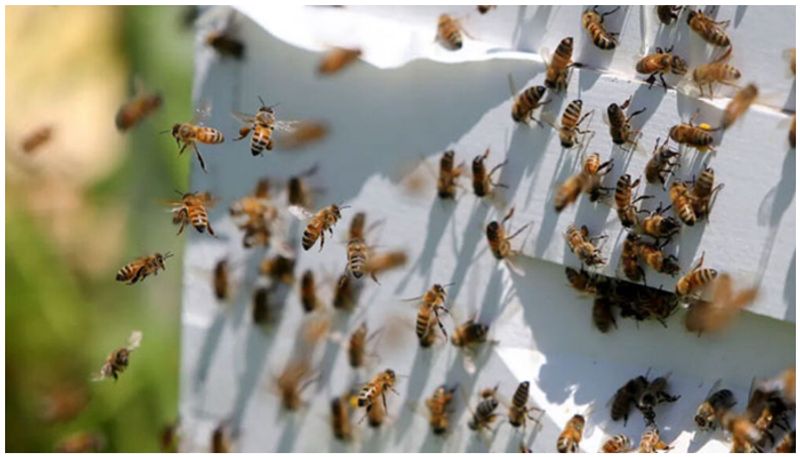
418, 378
473, 232
207, 350
547, 226
440, 214
527, 34
790, 290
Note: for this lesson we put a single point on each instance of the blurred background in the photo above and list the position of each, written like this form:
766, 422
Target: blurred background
80, 206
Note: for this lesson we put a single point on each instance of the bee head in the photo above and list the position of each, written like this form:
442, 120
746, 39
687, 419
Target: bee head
390, 374
579, 421
701, 421
176, 128
633, 237
670, 223
526, 384
567, 41
614, 110
539, 91
690, 16
492, 229
679, 66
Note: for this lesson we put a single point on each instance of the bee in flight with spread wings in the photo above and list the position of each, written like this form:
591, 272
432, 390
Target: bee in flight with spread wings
263, 124
190, 133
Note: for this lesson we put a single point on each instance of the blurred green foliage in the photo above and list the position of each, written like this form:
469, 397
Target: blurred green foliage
60, 323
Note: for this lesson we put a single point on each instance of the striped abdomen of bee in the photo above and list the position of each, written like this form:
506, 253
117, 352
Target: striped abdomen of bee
469, 334
659, 226
703, 193
439, 408
209, 135
694, 136
619, 123
378, 386
356, 346
427, 317
569, 191
603, 313
357, 225
324, 220
557, 71
308, 292
623, 197
570, 438
137, 109
659, 63
617, 444
660, 165
142, 267
526, 102
448, 174
682, 203
582, 245
739, 104
570, 124
714, 72
593, 24
221, 286
709, 30
629, 257
340, 419
484, 414
519, 411
449, 32
651, 442
356, 257
261, 139
482, 183
695, 279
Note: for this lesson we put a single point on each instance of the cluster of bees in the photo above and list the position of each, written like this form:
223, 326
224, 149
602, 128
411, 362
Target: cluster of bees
768, 420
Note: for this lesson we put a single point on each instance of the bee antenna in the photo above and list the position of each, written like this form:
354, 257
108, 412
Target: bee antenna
448, 285
344, 207
168, 254
262, 101
164, 131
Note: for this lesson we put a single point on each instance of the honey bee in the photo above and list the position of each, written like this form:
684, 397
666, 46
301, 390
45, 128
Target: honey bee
449, 32
483, 9
787, 444
336, 59
220, 439
142, 105
262, 313
82, 442
519, 411
651, 441
557, 71
593, 24
499, 242
659, 63
379, 263
695, 279
703, 193
582, 280
570, 438
376, 414
526, 102
743, 432
625, 397
297, 191
143, 267
117, 361
221, 286
433, 302
469, 334
653, 395
344, 296
169, 438
711, 31
659, 226
629, 257
716, 72
660, 165
439, 409
654, 257
570, 124
357, 254
569, 190
619, 123
291, 383
304, 133
357, 346
698, 137
37, 139
482, 183
225, 44
725, 305
792, 131
618, 444
667, 14
189, 134
484, 414
682, 203
587, 180
308, 292
710, 412
448, 175
655, 304
623, 197
192, 208
263, 125
340, 418
377, 387
323, 220
278, 268
739, 104
582, 245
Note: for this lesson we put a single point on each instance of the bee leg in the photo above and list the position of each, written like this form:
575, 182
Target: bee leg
180, 229
636, 113
269, 145
200, 158
183, 148
664, 83
321, 240
650, 81
518, 231
211, 230
383, 397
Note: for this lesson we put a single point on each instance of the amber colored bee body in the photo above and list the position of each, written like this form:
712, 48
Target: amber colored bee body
36, 139
617, 444
593, 24
376, 414
659, 226
336, 59
623, 197
81, 442
323, 220
619, 123
469, 334
438, 406
225, 44
483, 9
303, 134
143, 267
377, 387
278, 268
570, 438
581, 280
697, 137
716, 72
291, 382
570, 124
499, 241
526, 102
356, 346
357, 226
582, 246
262, 313
448, 32
558, 70
651, 441
695, 279
660, 63
569, 190
587, 180
625, 397
482, 183
484, 414
739, 104
118, 360
433, 302
711, 31
519, 411
682, 203
340, 418
220, 439
793, 131
344, 296
448, 175
193, 208
667, 14
221, 281
629, 257
710, 412
725, 305
187, 134
661, 164
703, 193
262, 124
308, 292
137, 109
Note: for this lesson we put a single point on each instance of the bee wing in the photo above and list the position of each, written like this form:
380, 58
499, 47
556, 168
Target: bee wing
549, 118
135, 340
744, 298
202, 112
300, 212
243, 118
468, 358
287, 126
722, 290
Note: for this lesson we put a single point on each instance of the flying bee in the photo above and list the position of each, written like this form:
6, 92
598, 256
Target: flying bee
263, 125
582, 280
695, 279
308, 292
619, 123
278, 268
221, 280
297, 190
626, 204
654, 394
526, 102
305, 132
439, 409
661, 62
323, 220
570, 438
449, 32
223, 42
221, 439
710, 412
629, 257
143, 267
588, 180
344, 296
82, 442
382, 262
499, 241
117, 361
519, 411
484, 414
188, 134
582, 245
739, 104
169, 438
651, 441
711, 31
291, 383
357, 254
482, 183
469, 334
377, 387
682, 203
667, 14
262, 312
661, 165
376, 415
716, 72
593, 24
433, 302
703, 193
557, 71
483, 9
340, 418
618, 444
448, 176
569, 190
570, 124
193, 208
336, 59
625, 397
357, 346
142, 105
659, 226
36, 139
725, 305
